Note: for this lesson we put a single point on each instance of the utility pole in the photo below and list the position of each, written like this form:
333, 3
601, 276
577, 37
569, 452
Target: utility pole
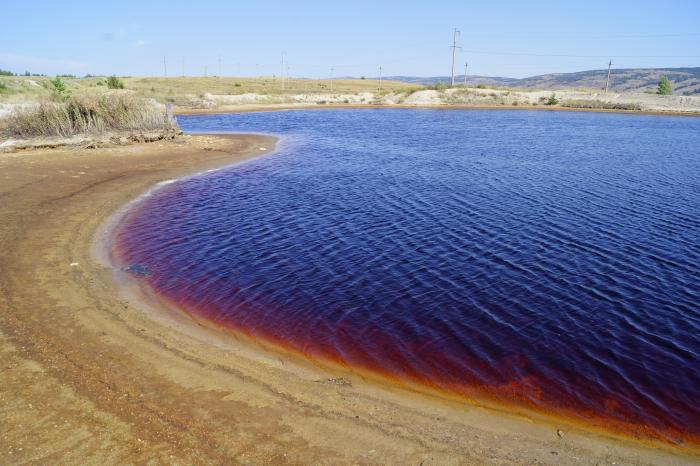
380, 78
454, 50
282, 75
165, 68
607, 83
466, 65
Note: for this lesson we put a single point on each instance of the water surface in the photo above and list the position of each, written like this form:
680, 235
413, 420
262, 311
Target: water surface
546, 260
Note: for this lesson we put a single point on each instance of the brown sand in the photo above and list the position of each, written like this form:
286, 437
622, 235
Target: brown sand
90, 377
244, 108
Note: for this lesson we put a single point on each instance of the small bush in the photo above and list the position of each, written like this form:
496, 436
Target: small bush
3, 86
60, 92
481, 86
552, 100
438, 86
84, 115
114, 83
664, 86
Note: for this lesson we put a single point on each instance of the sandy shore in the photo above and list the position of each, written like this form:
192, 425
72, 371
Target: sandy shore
243, 108
91, 377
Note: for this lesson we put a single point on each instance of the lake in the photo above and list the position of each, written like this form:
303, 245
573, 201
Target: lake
537, 260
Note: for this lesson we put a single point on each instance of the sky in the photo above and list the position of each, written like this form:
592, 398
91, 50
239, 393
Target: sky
352, 38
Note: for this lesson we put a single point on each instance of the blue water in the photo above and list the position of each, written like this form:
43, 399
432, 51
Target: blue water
538, 259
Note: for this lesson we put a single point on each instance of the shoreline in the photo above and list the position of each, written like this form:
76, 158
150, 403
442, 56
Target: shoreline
246, 108
142, 391
162, 308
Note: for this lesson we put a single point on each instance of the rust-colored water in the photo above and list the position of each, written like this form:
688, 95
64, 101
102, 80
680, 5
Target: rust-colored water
546, 261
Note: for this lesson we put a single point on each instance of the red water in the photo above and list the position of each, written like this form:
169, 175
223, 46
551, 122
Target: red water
548, 265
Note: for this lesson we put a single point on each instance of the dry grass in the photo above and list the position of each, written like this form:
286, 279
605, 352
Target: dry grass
84, 115
184, 90
597, 104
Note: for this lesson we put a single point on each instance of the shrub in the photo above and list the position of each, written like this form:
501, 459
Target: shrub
114, 83
664, 86
60, 92
6, 73
84, 115
438, 86
481, 86
552, 100
3, 86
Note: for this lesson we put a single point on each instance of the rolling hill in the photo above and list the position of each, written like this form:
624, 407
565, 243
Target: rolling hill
685, 81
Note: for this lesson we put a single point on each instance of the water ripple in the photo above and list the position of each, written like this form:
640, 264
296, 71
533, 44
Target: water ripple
547, 260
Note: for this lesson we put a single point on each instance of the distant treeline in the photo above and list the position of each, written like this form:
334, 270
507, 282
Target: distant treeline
26, 73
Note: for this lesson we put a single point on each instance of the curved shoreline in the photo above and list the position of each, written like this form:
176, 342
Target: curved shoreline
89, 375
149, 298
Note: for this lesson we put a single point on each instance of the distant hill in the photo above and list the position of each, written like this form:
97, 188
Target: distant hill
685, 80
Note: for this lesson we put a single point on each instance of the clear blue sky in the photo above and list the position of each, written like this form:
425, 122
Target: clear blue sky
499, 38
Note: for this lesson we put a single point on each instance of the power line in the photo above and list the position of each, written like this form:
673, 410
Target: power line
517, 54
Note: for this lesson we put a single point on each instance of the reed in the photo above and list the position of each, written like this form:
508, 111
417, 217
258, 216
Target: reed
85, 115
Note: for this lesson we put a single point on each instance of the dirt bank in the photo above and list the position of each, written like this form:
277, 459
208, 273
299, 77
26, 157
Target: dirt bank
89, 377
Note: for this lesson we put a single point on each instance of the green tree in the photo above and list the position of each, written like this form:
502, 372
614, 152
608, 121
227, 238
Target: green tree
552, 100
664, 86
114, 83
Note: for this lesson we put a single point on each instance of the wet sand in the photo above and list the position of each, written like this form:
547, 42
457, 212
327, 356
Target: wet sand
92, 376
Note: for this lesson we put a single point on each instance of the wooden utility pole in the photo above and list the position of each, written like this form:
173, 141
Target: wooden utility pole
466, 65
607, 83
454, 50
282, 75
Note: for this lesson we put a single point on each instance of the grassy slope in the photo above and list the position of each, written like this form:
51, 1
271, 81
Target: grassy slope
183, 90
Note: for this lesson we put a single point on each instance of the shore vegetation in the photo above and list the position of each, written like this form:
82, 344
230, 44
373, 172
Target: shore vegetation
84, 115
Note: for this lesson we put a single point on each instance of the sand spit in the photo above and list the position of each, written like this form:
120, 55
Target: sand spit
92, 377
460, 96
